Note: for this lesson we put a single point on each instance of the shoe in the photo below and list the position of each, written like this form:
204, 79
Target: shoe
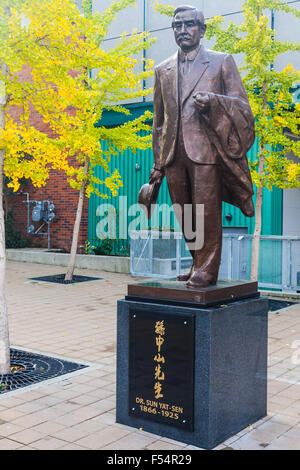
185, 276
201, 279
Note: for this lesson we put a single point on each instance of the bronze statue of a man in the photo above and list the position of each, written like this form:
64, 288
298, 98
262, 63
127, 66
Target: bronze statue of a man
202, 129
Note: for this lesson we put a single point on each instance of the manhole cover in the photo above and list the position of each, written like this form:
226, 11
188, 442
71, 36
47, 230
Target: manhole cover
60, 279
30, 368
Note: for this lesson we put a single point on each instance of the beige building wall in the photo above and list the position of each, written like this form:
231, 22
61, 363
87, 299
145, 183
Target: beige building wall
144, 17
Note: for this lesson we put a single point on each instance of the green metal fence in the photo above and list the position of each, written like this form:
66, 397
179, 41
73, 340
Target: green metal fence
135, 170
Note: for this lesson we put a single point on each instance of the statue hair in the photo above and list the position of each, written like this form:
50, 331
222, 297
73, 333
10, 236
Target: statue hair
199, 14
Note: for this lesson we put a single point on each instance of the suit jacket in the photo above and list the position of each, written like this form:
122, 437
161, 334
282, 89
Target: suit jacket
223, 135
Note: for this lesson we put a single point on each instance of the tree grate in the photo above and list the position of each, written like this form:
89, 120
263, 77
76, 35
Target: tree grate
275, 305
60, 279
30, 368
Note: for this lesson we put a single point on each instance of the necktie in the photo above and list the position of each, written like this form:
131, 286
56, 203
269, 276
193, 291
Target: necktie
185, 68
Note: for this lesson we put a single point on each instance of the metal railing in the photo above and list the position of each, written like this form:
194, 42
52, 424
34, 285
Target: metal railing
165, 255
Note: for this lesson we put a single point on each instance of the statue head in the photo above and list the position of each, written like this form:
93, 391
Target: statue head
189, 27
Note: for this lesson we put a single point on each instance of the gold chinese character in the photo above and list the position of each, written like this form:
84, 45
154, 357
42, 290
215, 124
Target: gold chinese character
158, 389
159, 375
159, 328
159, 341
159, 358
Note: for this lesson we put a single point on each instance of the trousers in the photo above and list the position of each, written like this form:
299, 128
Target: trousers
191, 184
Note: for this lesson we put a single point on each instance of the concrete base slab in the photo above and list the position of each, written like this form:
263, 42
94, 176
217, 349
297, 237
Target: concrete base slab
114, 264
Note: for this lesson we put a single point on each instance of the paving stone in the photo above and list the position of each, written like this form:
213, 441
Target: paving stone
27, 436
29, 421
87, 412
99, 440
246, 443
72, 446
89, 426
48, 428
69, 434
274, 428
9, 428
11, 414
8, 444
130, 442
285, 443
162, 445
48, 443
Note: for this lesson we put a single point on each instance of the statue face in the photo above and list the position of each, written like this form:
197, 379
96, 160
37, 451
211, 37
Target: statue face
187, 30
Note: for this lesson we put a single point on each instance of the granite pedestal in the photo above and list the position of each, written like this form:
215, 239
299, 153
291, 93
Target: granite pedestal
221, 382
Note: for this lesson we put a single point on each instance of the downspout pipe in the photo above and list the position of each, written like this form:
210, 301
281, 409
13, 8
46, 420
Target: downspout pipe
273, 30
144, 50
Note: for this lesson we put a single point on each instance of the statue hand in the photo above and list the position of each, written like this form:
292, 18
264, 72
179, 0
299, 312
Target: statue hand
202, 102
156, 176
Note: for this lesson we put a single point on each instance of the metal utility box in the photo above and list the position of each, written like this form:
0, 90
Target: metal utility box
38, 212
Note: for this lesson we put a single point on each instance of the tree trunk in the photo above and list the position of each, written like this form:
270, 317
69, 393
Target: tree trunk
4, 335
256, 236
258, 220
71, 266
259, 200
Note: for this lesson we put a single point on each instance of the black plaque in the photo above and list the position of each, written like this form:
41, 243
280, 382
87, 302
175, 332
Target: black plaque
161, 368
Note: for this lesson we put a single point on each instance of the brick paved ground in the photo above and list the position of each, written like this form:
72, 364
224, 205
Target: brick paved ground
79, 322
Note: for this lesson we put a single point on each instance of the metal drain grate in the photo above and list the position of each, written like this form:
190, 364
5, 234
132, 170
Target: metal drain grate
275, 305
60, 279
35, 368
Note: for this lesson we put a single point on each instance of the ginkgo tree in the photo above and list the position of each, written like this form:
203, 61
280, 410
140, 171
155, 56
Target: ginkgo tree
270, 93
71, 80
